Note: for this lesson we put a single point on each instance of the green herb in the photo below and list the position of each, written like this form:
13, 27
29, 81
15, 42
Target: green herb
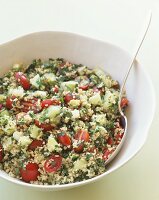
21, 121
32, 115
65, 153
110, 125
88, 156
95, 79
100, 142
64, 170
100, 162
75, 157
43, 118
62, 100
17, 171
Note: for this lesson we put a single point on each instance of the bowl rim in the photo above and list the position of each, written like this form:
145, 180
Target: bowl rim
76, 184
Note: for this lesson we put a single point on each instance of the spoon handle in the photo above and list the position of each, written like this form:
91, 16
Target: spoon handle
136, 50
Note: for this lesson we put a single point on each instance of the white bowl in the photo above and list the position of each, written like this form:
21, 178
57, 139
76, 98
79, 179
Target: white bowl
91, 52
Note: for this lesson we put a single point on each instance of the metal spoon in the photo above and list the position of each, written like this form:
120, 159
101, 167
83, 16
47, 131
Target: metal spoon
123, 117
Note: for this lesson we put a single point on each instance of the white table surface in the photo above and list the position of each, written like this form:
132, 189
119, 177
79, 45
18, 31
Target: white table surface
116, 21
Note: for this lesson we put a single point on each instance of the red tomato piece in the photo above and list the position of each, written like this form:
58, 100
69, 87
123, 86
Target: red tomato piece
110, 141
48, 102
124, 102
35, 143
107, 153
22, 79
84, 87
55, 89
9, 102
44, 126
30, 172
30, 105
68, 97
1, 153
53, 163
64, 139
82, 135
79, 148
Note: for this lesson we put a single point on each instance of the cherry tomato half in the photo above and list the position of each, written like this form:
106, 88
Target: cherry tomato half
82, 135
22, 79
53, 163
9, 102
68, 97
84, 87
44, 126
124, 102
1, 153
35, 143
48, 102
64, 139
110, 141
79, 148
30, 172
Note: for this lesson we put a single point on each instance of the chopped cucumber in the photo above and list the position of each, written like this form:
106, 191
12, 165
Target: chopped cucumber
35, 81
69, 85
95, 99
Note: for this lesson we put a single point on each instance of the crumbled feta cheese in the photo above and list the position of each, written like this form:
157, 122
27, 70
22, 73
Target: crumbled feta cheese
10, 127
18, 92
7, 144
40, 94
83, 98
75, 114
74, 102
100, 118
24, 141
110, 99
49, 78
95, 99
52, 144
35, 81
35, 132
69, 85
17, 135
80, 164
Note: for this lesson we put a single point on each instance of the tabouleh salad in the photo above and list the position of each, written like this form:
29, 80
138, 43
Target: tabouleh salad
59, 122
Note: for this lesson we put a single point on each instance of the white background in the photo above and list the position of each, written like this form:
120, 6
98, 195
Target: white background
116, 21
